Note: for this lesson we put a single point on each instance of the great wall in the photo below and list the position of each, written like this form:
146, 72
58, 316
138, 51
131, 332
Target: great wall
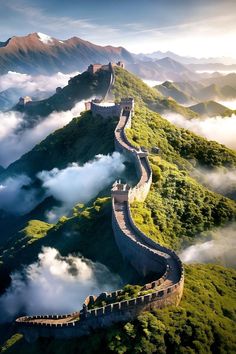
145, 255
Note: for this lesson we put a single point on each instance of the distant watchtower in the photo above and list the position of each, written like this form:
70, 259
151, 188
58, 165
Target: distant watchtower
121, 64
93, 68
127, 104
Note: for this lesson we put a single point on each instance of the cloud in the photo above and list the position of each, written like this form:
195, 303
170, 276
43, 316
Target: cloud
220, 180
231, 104
79, 184
220, 250
220, 129
14, 142
31, 84
16, 196
152, 83
55, 285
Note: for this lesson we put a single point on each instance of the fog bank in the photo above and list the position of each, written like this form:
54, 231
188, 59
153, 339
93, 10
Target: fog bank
30, 84
222, 130
221, 249
79, 184
14, 143
55, 285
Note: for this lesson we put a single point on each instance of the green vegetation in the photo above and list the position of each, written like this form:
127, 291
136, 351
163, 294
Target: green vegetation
128, 85
178, 208
128, 292
203, 323
211, 109
87, 232
77, 141
80, 87
177, 145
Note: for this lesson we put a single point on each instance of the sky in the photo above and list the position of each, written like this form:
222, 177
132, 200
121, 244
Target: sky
200, 28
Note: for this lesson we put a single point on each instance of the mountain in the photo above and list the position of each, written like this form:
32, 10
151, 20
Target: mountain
162, 70
80, 87
213, 67
189, 60
178, 211
211, 109
227, 80
169, 89
10, 97
194, 91
37, 53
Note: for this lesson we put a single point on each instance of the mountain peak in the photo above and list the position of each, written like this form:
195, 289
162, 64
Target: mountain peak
44, 38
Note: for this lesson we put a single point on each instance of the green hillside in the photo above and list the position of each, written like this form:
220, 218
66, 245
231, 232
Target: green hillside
127, 84
211, 109
178, 209
80, 87
203, 323
169, 89
77, 141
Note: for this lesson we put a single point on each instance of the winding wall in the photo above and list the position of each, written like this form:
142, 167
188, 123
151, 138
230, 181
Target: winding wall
144, 254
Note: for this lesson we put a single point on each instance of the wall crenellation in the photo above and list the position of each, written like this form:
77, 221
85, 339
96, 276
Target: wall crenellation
144, 254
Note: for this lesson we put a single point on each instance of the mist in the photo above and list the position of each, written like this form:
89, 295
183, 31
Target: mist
14, 142
79, 184
152, 83
220, 129
220, 180
31, 84
55, 285
16, 196
231, 104
221, 249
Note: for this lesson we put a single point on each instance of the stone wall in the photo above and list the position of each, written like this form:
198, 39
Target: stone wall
145, 255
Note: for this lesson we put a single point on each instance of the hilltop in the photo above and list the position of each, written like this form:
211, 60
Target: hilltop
211, 109
80, 87
177, 210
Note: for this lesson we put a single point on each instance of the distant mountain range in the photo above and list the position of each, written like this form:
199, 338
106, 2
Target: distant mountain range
162, 69
37, 53
186, 93
186, 60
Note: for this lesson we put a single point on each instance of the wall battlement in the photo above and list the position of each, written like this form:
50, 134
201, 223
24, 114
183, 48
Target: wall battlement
145, 255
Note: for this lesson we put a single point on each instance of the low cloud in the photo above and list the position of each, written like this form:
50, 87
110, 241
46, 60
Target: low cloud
16, 195
219, 129
15, 142
72, 185
55, 285
79, 184
231, 104
31, 84
220, 180
221, 249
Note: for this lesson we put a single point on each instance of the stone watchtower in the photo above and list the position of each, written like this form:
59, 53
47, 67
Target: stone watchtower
120, 192
127, 104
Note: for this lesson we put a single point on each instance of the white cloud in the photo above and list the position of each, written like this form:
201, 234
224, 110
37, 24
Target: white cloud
79, 184
16, 196
220, 180
231, 104
31, 84
15, 142
55, 285
152, 83
220, 129
221, 249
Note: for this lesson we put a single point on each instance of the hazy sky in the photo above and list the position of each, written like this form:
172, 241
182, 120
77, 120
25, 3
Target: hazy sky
190, 27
